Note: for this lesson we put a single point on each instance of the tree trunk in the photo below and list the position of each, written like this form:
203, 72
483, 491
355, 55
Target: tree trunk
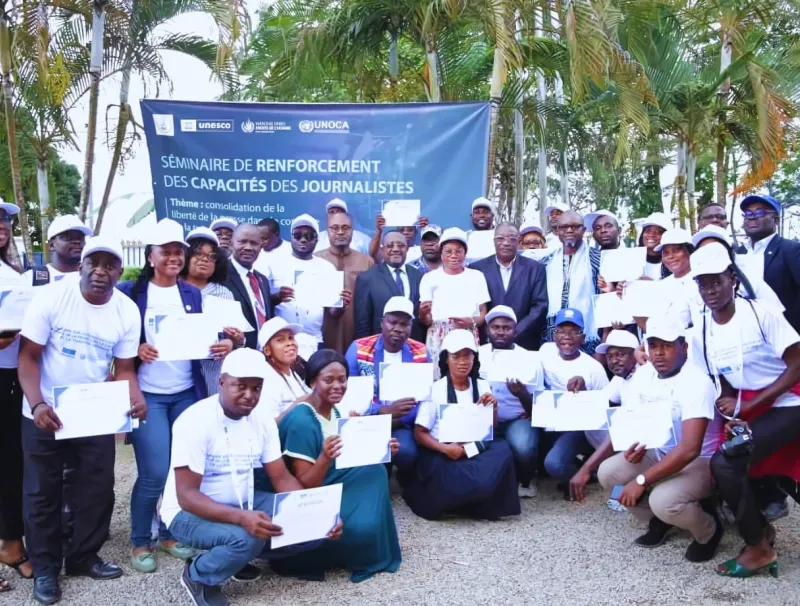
559, 95
691, 165
11, 133
95, 70
720, 171
43, 185
726, 55
680, 183
433, 86
541, 97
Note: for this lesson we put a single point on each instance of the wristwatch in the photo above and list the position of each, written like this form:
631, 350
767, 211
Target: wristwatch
640, 480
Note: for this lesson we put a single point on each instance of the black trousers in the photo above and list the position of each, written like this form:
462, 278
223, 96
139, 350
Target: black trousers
11, 525
92, 497
772, 430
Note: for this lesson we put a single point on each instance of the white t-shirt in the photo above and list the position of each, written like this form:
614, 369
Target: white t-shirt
267, 259
54, 274
279, 393
508, 405
10, 355
469, 284
428, 413
691, 394
414, 253
163, 377
212, 445
749, 356
558, 371
620, 390
80, 339
653, 270
392, 358
309, 316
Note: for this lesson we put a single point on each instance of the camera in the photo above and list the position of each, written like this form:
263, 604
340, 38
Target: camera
740, 444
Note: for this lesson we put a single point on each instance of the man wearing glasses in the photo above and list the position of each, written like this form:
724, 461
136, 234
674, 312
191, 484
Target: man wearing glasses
518, 282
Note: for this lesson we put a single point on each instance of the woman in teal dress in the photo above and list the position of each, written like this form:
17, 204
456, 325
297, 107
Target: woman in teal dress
310, 444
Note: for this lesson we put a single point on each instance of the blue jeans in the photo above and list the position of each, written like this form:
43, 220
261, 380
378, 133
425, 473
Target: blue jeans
229, 547
406, 456
524, 442
152, 444
560, 461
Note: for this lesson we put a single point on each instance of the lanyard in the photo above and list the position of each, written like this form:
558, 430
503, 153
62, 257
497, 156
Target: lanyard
234, 473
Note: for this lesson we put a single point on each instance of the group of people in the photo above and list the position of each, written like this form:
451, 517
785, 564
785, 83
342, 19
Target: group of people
218, 438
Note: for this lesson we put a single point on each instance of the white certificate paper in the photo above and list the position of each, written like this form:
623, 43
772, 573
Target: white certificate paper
645, 298
226, 313
14, 301
306, 515
184, 336
358, 396
452, 304
514, 364
459, 423
319, 289
365, 441
581, 411
645, 424
405, 380
481, 244
623, 264
92, 409
610, 308
401, 213
544, 408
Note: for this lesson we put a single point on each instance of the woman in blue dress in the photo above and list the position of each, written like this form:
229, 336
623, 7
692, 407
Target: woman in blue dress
310, 445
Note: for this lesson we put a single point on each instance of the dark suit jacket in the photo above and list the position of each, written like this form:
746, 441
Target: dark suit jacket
526, 295
373, 289
782, 273
241, 292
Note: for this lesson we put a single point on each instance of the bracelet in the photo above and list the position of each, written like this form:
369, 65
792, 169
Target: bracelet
35, 406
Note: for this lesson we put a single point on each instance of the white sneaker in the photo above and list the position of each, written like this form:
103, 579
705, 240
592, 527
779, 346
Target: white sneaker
528, 492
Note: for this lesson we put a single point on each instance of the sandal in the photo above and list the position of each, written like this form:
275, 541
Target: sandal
732, 568
17, 565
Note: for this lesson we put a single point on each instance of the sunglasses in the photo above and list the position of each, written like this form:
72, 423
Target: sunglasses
757, 214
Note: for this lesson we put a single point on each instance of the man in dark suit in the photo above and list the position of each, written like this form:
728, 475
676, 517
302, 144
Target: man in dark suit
518, 282
389, 279
248, 286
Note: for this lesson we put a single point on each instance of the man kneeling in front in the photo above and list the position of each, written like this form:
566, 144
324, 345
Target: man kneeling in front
209, 501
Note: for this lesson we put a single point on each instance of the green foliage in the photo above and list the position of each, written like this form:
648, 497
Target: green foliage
130, 274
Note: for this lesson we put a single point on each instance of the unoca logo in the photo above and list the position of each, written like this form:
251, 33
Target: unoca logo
306, 126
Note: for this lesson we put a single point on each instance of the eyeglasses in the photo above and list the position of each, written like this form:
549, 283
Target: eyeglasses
759, 213
719, 217
569, 227
308, 236
340, 229
506, 240
6, 219
568, 332
211, 257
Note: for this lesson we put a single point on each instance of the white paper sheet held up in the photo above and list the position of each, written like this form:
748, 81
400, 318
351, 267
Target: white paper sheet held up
648, 425
184, 336
452, 304
365, 441
92, 409
645, 298
622, 264
544, 408
610, 308
405, 380
306, 345
319, 289
306, 515
465, 423
226, 313
481, 244
14, 301
358, 396
582, 411
401, 213
513, 364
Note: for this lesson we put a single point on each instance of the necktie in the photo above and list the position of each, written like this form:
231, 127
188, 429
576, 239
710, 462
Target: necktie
261, 315
399, 281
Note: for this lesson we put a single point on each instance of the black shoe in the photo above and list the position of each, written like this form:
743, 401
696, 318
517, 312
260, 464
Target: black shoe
202, 595
248, 574
97, 570
46, 590
703, 552
655, 535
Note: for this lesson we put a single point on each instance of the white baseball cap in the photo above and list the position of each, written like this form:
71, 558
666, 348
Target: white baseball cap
588, 220
501, 311
664, 328
711, 259
459, 339
712, 231
224, 222
618, 338
204, 233
661, 220
430, 228
305, 220
102, 244
166, 231
272, 327
336, 203
674, 235
555, 206
399, 305
245, 363
67, 223
11, 209
530, 227
453, 233
483, 203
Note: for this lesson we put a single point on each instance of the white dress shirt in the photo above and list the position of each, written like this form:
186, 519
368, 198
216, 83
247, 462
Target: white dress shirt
760, 247
403, 278
505, 272
243, 271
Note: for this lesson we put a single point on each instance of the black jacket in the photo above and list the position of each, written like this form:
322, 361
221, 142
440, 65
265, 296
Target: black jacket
241, 292
374, 288
782, 273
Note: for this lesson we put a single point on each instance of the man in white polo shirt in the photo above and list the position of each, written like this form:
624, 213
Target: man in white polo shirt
66, 238
74, 332
210, 502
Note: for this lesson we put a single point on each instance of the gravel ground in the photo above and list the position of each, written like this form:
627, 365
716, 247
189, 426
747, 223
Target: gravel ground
554, 553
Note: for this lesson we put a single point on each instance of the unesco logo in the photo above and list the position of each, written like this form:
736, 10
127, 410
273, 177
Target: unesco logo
248, 126
306, 126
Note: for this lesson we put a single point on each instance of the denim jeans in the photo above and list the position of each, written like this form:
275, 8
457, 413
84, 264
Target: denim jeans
152, 444
406, 456
524, 442
560, 461
230, 547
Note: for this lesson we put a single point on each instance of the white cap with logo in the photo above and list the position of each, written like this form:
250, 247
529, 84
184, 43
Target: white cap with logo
665, 328
224, 222
588, 220
399, 305
459, 339
661, 220
555, 206
272, 327
11, 209
336, 203
66, 223
430, 228
305, 220
530, 227
711, 259
245, 364
102, 244
453, 233
166, 231
674, 235
483, 202
712, 231
202, 233
618, 338
501, 311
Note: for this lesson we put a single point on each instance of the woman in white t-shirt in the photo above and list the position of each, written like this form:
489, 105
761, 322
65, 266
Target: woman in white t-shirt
12, 551
283, 386
754, 355
476, 479
452, 296
680, 290
168, 387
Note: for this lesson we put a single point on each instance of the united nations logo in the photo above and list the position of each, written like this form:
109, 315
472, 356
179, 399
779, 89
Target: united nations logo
306, 126
248, 126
